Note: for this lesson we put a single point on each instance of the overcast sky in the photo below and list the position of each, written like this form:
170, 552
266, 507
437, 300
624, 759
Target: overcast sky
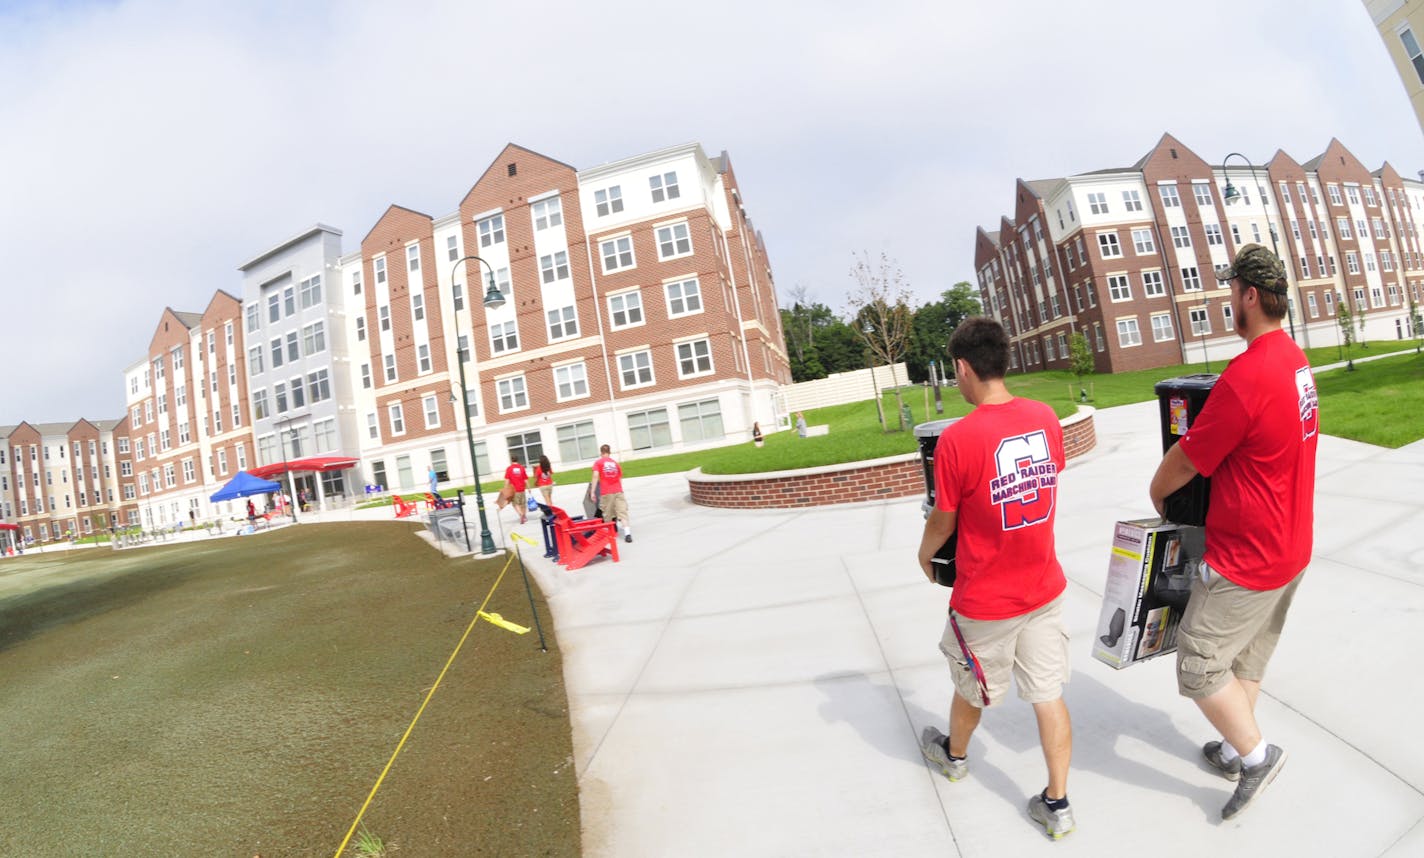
149, 147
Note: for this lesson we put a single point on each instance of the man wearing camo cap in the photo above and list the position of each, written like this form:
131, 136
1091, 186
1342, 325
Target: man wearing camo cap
1255, 438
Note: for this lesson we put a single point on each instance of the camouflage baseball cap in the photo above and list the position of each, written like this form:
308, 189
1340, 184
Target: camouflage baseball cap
1258, 266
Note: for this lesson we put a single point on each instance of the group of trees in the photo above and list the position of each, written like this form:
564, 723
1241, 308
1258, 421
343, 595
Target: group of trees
881, 325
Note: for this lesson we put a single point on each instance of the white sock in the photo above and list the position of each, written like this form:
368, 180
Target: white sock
1228, 752
1256, 757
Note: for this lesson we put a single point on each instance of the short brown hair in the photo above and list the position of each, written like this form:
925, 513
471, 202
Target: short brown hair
982, 343
1273, 304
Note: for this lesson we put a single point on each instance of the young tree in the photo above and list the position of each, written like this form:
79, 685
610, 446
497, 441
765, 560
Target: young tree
933, 323
880, 314
1080, 360
1345, 319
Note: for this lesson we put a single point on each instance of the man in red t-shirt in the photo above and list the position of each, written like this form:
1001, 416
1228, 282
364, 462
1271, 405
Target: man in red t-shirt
996, 484
1256, 438
612, 505
516, 481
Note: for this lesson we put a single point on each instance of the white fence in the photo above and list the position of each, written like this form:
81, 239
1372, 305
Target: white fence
841, 387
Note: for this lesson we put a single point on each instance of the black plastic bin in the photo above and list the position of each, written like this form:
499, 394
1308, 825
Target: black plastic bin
1179, 401
927, 434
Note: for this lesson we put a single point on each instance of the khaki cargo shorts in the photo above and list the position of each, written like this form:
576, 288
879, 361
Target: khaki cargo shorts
613, 506
1033, 648
1228, 630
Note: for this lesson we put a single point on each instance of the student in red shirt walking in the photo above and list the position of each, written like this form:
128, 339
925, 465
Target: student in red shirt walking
996, 484
544, 480
516, 480
611, 503
1256, 438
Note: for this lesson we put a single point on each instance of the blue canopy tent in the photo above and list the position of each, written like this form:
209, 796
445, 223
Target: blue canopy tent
245, 484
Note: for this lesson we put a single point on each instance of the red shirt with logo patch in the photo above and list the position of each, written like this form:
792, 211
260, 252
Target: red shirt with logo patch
998, 469
517, 477
1256, 438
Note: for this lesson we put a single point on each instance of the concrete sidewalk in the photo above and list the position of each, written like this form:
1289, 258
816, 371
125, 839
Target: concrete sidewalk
754, 683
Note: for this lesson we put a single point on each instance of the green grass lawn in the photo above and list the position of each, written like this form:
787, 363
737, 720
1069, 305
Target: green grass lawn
1380, 402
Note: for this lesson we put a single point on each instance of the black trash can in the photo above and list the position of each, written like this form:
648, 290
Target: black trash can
927, 434
1179, 401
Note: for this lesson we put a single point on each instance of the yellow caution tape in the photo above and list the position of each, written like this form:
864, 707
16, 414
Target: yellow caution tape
505, 624
522, 538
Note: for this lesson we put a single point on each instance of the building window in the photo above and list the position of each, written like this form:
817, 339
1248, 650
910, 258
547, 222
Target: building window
279, 395
366, 376
417, 307
412, 257
397, 418
700, 421
1152, 284
504, 337
299, 393
563, 323
577, 442
1202, 192
684, 297
570, 381
617, 253
1127, 333
1352, 262
1314, 308
1108, 246
527, 446
1119, 287
673, 241
548, 212
608, 201
458, 291
361, 329
1213, 234
274, 307
222, 462
1098, 203
664, 187
422, 356
294, 352
373, 427
1142, 242
189, 474
512, 394
319, 385
625, 310
314, 338
309, 292
694, 358
1132, 201
491, 230
253, 317
1201, 321
1169, 196
390, 367
452, 248
554, 266
431, 406
326, 435
635, 369
1334, 192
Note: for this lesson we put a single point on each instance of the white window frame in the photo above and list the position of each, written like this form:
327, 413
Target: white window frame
627, 305
430, 405
674, 241
681, 294
694, 350
1162, 327
1108, 247
635, 363
571, 381
395, 418
1127, 331
512, 394
617, 249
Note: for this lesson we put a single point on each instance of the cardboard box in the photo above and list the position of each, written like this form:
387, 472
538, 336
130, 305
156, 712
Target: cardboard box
1149, 578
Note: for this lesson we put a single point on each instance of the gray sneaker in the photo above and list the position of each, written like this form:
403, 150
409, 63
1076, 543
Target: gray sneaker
1254, 780
1229, 770
932, 745
1056, 823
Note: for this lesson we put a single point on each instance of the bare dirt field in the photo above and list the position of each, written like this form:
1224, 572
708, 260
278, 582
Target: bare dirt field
240, 697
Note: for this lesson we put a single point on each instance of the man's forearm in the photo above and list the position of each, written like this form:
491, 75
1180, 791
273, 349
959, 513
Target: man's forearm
1175, 471
938, 528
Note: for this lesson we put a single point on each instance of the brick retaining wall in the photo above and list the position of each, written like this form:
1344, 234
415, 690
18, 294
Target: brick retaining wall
879, 479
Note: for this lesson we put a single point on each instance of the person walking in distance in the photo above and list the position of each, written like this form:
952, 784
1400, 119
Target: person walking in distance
996, 485
517, 479
1255, 438
544, 480
611, 503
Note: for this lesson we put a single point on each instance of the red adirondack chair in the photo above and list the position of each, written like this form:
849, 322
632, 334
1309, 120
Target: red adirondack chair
583, 540
404, 508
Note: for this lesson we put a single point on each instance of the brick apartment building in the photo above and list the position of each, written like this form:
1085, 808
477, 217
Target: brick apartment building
1125, 256
639, 312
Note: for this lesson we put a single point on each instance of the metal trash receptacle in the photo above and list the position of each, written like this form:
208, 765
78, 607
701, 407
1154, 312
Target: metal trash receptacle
1179, 401
927, 435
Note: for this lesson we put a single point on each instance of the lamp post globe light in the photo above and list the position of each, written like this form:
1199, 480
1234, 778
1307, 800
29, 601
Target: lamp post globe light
493, 300
1231, 195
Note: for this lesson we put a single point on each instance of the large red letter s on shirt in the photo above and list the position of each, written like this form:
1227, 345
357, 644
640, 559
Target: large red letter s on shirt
1027, 481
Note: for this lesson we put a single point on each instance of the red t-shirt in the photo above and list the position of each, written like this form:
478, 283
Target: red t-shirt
610, 476
998, 469
1256, 438
516, 476
542, 477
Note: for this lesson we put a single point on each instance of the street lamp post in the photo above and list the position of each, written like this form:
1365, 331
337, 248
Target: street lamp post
493, 300
1231, 195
